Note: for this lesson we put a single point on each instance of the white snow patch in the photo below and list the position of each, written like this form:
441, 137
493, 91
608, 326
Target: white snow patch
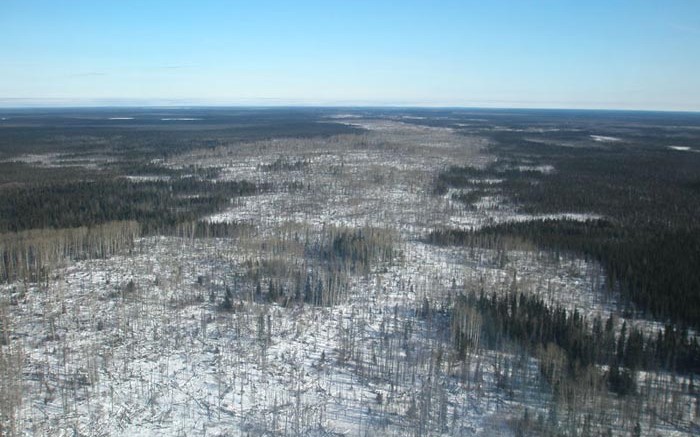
681, 148
34, 158
148, 178
486, 181
545, 169
604, 139
344, 116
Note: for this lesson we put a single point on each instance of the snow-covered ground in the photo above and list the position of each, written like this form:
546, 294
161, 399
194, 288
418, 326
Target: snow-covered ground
102, 357
139, 344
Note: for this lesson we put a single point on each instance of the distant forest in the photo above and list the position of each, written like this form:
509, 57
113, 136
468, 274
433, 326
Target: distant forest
103, 184
648, 238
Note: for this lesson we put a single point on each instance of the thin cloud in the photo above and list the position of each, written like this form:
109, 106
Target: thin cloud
90, 73
684, 28
172, 67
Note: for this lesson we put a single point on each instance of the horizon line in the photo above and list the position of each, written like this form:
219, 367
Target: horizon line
259, 105
271, 102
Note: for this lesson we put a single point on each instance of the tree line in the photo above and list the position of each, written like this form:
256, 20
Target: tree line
583, 360
31, 255
157, 205
657, 272
648, 239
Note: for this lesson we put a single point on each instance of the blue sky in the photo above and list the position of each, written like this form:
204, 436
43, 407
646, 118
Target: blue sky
562, 54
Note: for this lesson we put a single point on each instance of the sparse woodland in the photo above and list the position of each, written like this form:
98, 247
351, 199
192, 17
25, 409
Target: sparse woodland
373, 273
